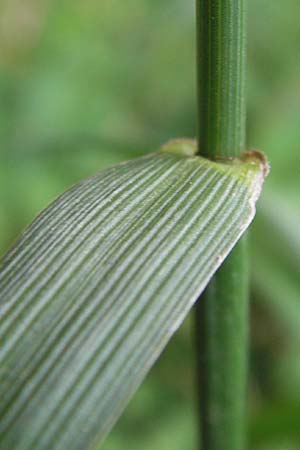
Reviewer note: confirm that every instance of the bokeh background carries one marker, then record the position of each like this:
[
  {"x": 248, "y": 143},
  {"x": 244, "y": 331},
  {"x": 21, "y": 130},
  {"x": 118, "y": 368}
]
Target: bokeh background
[{"x": 85, "y": 84}]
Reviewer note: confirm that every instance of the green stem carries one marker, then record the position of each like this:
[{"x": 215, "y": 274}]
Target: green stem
[
  {"x": 221, "y": 39},
  {"x": 222, "y": 312},
  {"x": 222, "y": 337}
]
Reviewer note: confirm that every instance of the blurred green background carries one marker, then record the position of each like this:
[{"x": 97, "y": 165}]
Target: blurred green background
[{"x": 85, "y": 84}]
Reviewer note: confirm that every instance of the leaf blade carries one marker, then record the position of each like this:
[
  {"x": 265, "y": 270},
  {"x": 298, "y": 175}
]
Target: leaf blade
[{"x": 96, "y": 286}]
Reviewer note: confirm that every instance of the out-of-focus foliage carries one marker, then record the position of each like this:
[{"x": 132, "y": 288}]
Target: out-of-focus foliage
[{"x": 85, "y": 84}]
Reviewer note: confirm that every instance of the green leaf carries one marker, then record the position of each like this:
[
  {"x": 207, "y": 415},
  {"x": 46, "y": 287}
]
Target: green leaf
[{"x": 98, "y": 283}]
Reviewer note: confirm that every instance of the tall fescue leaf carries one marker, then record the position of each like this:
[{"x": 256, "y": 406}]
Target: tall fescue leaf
[{"x": 98, "y": 283}]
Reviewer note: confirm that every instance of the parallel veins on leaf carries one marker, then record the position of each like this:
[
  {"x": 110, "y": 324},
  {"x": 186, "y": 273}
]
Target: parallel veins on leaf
[{"x": 96, "y": 286}]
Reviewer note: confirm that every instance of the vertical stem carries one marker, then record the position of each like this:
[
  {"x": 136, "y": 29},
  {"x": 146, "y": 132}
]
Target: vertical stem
[
  {"x": 221, "y": 39},
  {"x": 222, "y": 312},
  {"x": 222, "y": 336}
]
